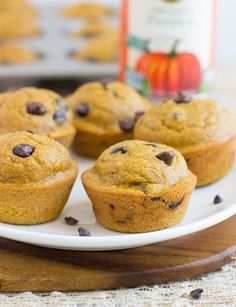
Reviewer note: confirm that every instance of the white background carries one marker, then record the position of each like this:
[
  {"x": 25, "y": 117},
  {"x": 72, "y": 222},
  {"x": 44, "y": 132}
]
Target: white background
[{"x": 226, "y": 33}]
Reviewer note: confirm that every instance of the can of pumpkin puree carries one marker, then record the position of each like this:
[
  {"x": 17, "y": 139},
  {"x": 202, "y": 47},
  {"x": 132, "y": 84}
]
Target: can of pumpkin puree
[{"x": 167, "y": 46}]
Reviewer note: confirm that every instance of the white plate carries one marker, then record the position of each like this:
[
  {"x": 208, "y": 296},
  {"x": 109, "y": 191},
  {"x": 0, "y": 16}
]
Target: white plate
[{"x": 201, "y": 214}]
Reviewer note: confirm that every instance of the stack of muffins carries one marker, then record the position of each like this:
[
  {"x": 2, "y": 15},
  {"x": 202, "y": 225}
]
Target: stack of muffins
[{"x": 149, "y": 158}]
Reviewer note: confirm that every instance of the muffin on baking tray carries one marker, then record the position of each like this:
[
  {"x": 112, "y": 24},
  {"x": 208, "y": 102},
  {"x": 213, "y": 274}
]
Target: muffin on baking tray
[
  {"x": 136, "y": 186},
  {"x": 36, "y": 178},
  {"x": 87, "y": 11},
  {"x": 11, "y": 53},
  {"x": 19, "y": 6},
  {"x": 104, "y": 114},
  {"x": 103, "y": 49},
  {"x": 38, "y": 111},
  {"x": 202, "y": 130},
  {"x": 16, "y": 25},
  {"x": 95, "y": 29}
]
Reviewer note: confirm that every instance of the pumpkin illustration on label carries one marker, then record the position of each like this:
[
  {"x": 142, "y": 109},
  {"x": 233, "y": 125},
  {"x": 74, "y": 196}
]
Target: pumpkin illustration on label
[{"x": 170, "y": 73}]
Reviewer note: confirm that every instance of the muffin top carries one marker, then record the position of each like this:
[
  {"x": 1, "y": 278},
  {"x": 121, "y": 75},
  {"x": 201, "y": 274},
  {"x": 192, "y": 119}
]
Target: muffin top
[
  {"x": 36, "y": 110},
  {"x": 28, "y": 159},
  {"x": 183, "y": 124},
  {"x": 11, "y": 53},
  {"x": 87, "y": 11},
  {"x": 13, "y": 24},
  {"x": 103, "y": 48},
  {"x": 17, "y": 5},
  {"x": 137, "y": 165},
  {"x": 106, "y": 107}
]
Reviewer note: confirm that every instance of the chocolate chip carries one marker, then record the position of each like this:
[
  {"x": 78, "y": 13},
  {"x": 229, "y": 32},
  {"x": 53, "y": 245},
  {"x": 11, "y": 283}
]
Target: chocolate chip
[
  {"x": 196, "y": 294},
  {"x": 119, "y": 149},
  {"x": 84, "y": 232},
  {"x": 82, "y": 110},
  {"x": 155, "y": 198},
  {"x": 182, "y": 98},
  {"x": 36, "y": 108},
  {"x": 112, "y": 207},
  {"x": 151, "y": 145},
  {"x": 176, "y": 204},
  {"x": 127, "y": 124},
  {"x": 23, "y": 150},
  {"x": 167, "y": 157},
  {"x": 71, "y": 220},
  {"x": 138, "y": 115},
  {"x": 125, "y": 220},
  {"x": 60, "y": 117},
  {"x": 29, "y": 131},
  {"x": 218, "y": 199}
]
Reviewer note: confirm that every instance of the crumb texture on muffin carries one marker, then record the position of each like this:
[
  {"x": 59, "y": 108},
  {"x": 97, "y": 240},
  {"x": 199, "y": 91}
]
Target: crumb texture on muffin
[
  {"x": 137, "y": 165},
  {"x": 37, "y": 110},
  {"x": 28, "y": 159},
  {"x": 186, "y": 124},
  {"x": 101, "y": 107}
]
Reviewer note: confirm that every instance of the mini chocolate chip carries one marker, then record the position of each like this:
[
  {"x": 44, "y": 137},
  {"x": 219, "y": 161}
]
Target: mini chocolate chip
[
  {"x": 60, "y": 117},
  {"x": 112, "y": 207},
  {"x": 167, "y": 157},
  {"x": 127, "y": 124},
  {"x": 218, "y": 199},
  {"x": 36, "y": 108},
  {"x": 82, "y": 109},
  {"x": 182, "y": 98},
  {"x": 138, "y": 115},
  {"x": 196, "y": 294},
  {"x": 155, "y": 198},
  {"x": 29, "y": 131},
  {"x": 119, "y": 149},
  {"x": 71, "y": 220},
  {"x": 176, "y": 204},
  {"x": 84, "y": 232},
  {"x": 23, "y": 150},
  {"x": 151, "y": 145},
  {"x": 125, "y": 220}
]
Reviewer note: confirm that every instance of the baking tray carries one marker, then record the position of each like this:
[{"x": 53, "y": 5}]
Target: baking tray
[{"x": 55, "y": 45}]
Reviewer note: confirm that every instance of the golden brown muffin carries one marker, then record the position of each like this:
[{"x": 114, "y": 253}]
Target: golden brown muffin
[
  {"x": 95, "y": 29},
  {"x": 36, "y": 178},
  {"x": 102, "y": 49},
  {"x": 14, "y": 25},
  {"x": 11, "y": 53},
  {"x": 19, "y": 6},
  {"x": 36, "y": 110},
  {"x": 87, "y": 11},
  {"x": 201, "y": 130},
  {"x": 104, "y": 114},
  {"x": 136, "y": 186}
]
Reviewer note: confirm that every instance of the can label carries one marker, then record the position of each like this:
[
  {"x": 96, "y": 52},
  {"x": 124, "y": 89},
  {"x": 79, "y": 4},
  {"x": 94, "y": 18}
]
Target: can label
[{"x": 167, "y": 45}]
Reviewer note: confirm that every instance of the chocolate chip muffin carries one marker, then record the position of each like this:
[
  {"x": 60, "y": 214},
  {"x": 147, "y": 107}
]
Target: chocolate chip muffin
[
  {"x": 36, "y": 178},
  {"x": 15, "y": 25},
  {"x": 11, "y": 53},
  {"x": 87, "y": 11},
  {"x": 104, "y": 114},
  {"x": 103, "y": 49},
  {"x": 136, "y": 186},
  {"x": 95, "y": 29},
  {"x": 201, "y": 130},
  {"x": 38, "y": 111}
]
